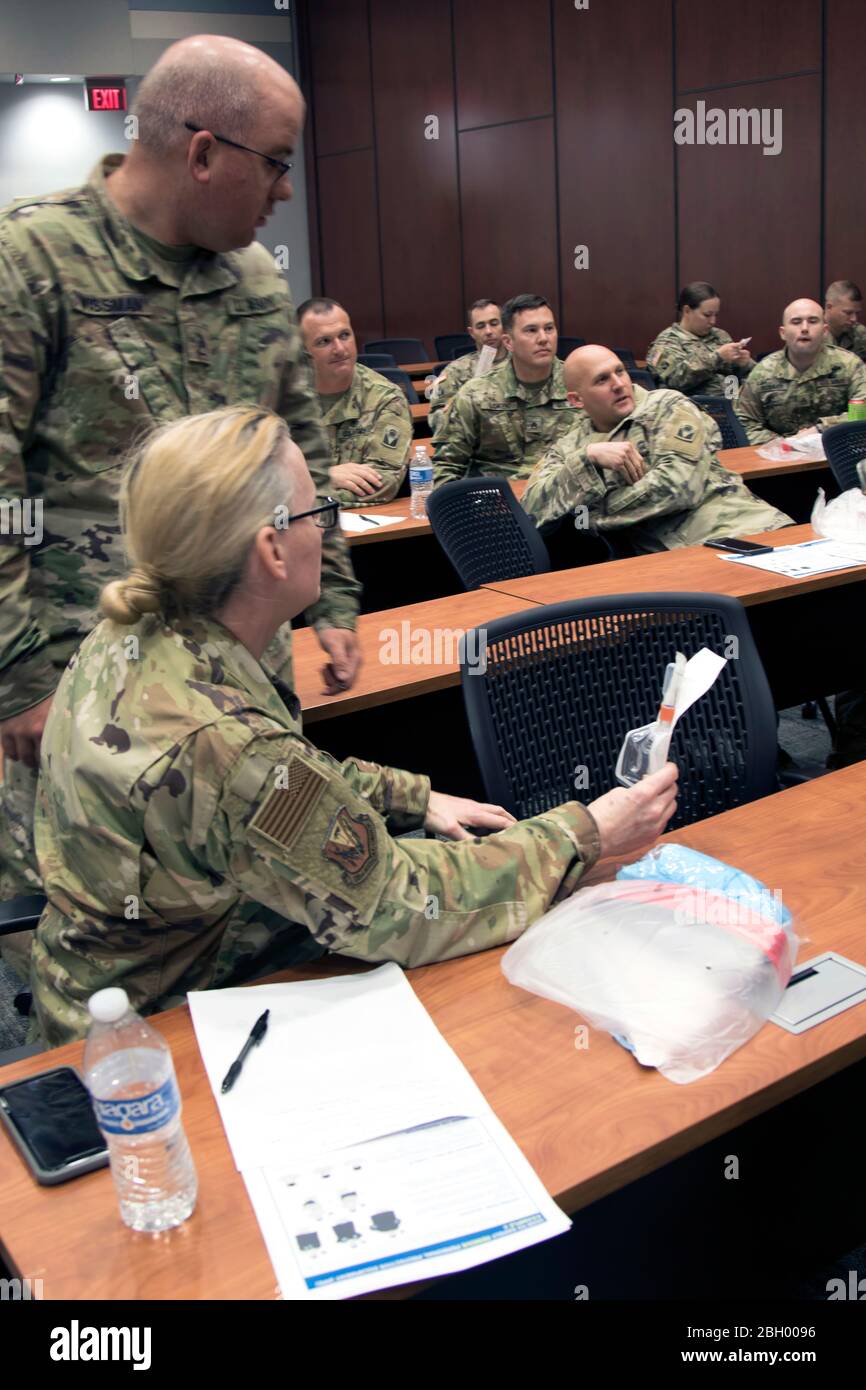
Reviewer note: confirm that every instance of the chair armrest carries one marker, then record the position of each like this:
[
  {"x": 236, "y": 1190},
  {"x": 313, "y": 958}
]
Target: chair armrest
[{"x": 19, "y": 914}]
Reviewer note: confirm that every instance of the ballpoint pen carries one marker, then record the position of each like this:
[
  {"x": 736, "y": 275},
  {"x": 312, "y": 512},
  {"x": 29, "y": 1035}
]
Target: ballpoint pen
[
  {"x": 372, "y": 520},
  {"x": 257, "y": 1032}
]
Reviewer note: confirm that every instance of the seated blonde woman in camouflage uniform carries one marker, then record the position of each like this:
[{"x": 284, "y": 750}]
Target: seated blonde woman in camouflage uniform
[
  {"x": 188, "y": 833},
  {"x": 693, "y": 355}
]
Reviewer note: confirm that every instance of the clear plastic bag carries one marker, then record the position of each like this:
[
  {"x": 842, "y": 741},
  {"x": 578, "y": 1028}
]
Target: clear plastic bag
[
  {"x": 683, "y": 959},
  {"x": 804, "y": 446},
  {"x": 843, "y": 518}
]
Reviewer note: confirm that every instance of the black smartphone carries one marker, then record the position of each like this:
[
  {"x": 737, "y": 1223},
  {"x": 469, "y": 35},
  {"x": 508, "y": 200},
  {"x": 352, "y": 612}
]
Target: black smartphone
[
  {"x": 739, "y": 547},
  {"x": 50, "y": 1120}
]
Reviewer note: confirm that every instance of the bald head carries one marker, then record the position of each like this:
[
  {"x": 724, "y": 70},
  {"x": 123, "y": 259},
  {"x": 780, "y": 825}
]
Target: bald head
[
  {"x": 803, "y": 331},
  {"x": 598, "y": 383},
  {"x": 215, "y": 82}
]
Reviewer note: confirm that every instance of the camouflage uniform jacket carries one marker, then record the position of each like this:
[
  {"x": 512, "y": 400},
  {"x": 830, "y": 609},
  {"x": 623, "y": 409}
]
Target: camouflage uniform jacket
[
  {"x": 685, "y": 496},
  {"x": 779, "y": 400},
  {"x": 498, "y": 426},
  {"x": 184, "y": 821},
  {"x": 448, "y": 383},
  {"x": 691, "y": 364},
  {"x": 369, "y": 423},
  {"x": 852, "y": 339},
  {"x": 98, "y": 340}
]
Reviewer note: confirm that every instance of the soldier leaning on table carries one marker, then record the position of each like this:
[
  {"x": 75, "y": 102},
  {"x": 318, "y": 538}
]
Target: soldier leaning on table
[
  {"x": 365, "y": 415},
  {"x": 136, "y": 298},
  {"x": 641, "y": 461}
]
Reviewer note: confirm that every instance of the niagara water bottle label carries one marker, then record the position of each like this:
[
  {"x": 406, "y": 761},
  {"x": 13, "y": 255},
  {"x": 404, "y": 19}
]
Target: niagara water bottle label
[{"x": 140, "y": 1115}]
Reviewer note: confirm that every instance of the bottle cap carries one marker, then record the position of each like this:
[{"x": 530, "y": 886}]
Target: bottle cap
[{"x": 108, "y": 1005}]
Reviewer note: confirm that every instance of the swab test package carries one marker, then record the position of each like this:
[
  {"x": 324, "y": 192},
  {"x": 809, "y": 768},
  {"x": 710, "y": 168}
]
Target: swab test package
[{"x": 682, "y": 959}]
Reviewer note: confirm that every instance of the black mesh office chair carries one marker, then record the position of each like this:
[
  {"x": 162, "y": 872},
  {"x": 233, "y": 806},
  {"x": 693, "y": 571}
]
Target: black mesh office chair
[
  {"x": 730, "y": 425},
  {"x": 563, "y": 684},
  {"x": 461, "y": 352},
  {"x": 642, "y": 378},
  {"x": 567, "y": 345},
  {"x": 845, "y": 446},
  {"x": 485, "y": 532},
  {"x": 447, "y": 342},
  {"x": 376, "y": 360},
  {"x": 21, "y": 914},
  {"x": 401, "y": 349},
  {"x": 625, "y": 357},
  {"x": 402, "y": 380}
]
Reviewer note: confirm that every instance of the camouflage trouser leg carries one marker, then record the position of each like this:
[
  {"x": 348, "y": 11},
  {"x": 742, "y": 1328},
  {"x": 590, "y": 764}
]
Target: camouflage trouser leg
[
  {"x": 849, "y": 745},
  {"x": 18, "y": 871}
]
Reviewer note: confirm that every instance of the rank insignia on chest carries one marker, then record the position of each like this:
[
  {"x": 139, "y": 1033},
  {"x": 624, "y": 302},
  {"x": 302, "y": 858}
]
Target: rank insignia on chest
[
  {"x": 351, "y": 844},
  {"x": 390, "y": 438}
]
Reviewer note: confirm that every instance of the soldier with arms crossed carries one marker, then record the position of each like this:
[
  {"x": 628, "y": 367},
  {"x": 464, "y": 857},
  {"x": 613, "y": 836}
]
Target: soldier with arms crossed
[
  {"x": 188, "y": 834},
  {"x": 641, "y": 460}
]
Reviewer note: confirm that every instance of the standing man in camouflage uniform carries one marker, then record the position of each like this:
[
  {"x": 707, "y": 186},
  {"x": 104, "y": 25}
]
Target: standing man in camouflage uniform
[
  {"x": 843, "y": 303},
  {"x": 188, "y": 833},
  {"x": 499, "y": 425},
  {"x": 807, "y": 384},
  {"x": 645, "y": 460},
  {"x": 137, "y": 298},
  {"x": 485, "y": 329},
  {"x": 366, "y": 416},
  {"x": 693, "y": 355}
]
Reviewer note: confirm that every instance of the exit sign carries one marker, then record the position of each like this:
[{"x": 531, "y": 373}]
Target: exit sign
[{"x": 105, "y": 94}]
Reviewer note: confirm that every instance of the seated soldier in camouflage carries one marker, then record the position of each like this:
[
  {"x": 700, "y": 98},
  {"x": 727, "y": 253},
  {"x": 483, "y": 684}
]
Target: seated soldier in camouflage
[
  {"x": 806, "y": 385},
  {"x": 499, "y": 425},
  {"x": 366, "y": 416},
  {"x": 693, "y": 355},
  {"x": 188, "y": 834},
  {"x": 485, "y": 329},
  {"x": 843, "y": 304},
  {"x": 645, "y": 460}
]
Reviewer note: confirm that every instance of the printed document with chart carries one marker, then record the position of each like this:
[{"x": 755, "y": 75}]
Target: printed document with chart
[{"x": 370, "y": 1155}]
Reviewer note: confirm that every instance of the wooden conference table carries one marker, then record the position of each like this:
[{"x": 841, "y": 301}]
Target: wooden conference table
[
  {"x": 747, "y": 462},
  {"x": 694, "y": 568},
  {"x": 590, "y": 1121}
]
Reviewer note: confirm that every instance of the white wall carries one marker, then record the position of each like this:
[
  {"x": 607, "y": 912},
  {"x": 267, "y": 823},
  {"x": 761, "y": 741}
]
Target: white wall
[{"x": 47, "y": 139}]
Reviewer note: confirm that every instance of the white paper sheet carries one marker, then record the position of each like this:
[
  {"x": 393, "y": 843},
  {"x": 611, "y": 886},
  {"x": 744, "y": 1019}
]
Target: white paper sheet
[
  {"x": 809, "y": 557},
  {"x": 701, "y": 672},
  {"x": 354, "y": 521},
  {"x": 354, "y": 1068}
]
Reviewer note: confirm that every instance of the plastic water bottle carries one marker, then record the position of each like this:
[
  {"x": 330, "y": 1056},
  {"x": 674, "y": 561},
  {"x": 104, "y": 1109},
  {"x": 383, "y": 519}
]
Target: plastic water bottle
[
  {"x": 130, "y": 1076},
  {"x": 420, "y": 480}
]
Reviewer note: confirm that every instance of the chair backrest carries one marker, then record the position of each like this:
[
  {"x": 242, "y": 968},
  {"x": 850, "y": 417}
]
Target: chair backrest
[
  {"x": 845, "y": 446},
  {"x": 626, "y": 358},
  {"x": 461, "y": 352},
  {"x": 402, "y": 380},
  {"x": 567, "y": 345},
  {"x": 643, "y": 378},
  {"x": 558, "y": 687},
  {"x": 376, "y": 359},
  {"x": 730, "y": 425},
  {"x": 401, "y": 349},
  {"x": 447, "y": 342},
  {"x": 485, "y": 532}
]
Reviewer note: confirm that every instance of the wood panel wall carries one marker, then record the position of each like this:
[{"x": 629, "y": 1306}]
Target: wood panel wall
[{"x": 553, "y": 130}]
